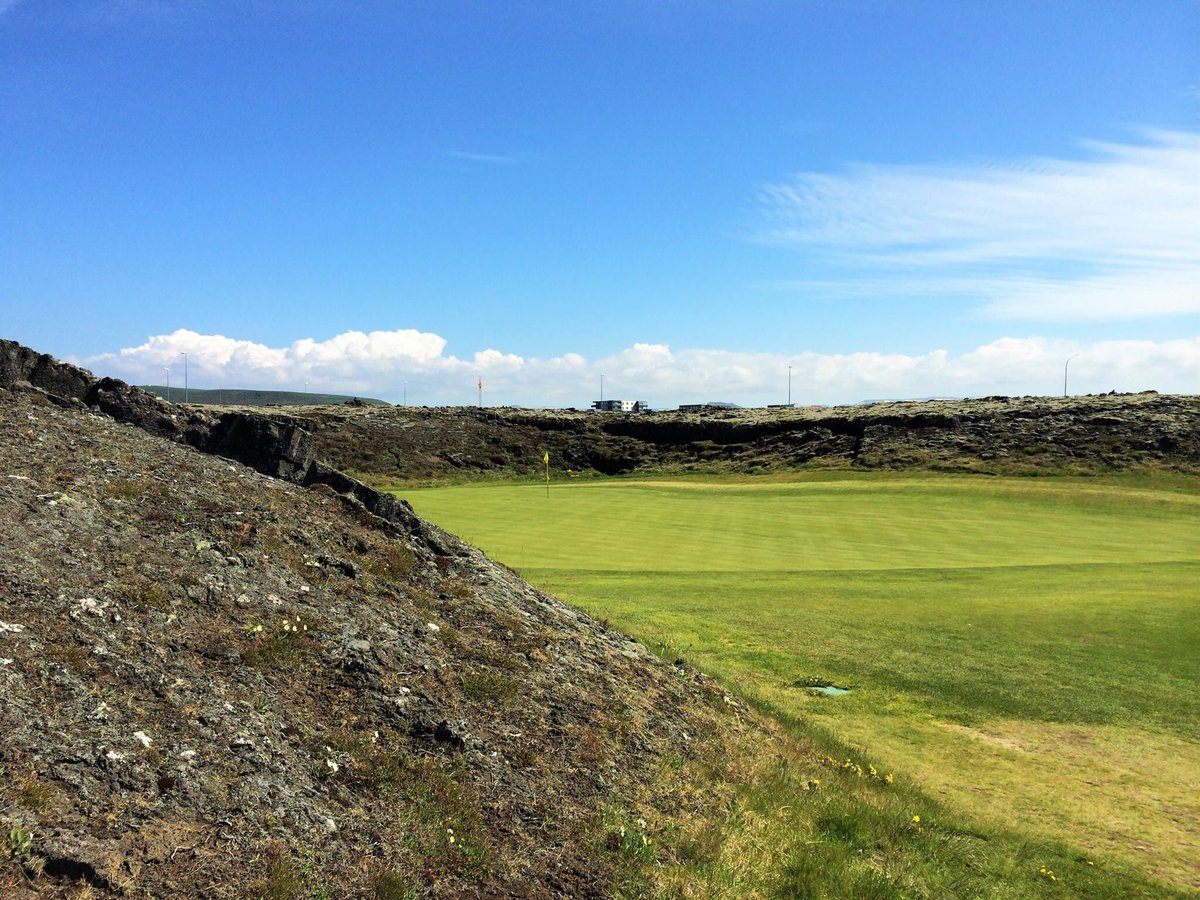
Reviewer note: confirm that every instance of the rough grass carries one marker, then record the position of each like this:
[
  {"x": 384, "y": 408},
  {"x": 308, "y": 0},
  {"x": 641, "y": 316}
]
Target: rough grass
[{"x": 1023, "y": 650}]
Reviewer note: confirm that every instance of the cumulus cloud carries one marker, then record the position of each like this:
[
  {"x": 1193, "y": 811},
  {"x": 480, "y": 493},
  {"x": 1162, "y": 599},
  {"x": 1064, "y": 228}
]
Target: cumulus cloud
[
  {"x": 380, "y": 363},
  {"x": 1113, "y": 236}
]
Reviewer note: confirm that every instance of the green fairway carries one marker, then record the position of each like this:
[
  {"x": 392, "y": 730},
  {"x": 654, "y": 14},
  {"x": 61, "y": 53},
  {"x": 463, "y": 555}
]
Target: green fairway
[
  {"x": 1027, "y": 650},
  {"x": 802, "y": 525}
]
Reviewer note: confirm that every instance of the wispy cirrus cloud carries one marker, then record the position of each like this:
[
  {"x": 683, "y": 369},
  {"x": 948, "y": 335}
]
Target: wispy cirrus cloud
[
  {"x": 380, "y": 362},
  {"x": 1115, "y": 235},
  {"x": 496, "y": 158}
]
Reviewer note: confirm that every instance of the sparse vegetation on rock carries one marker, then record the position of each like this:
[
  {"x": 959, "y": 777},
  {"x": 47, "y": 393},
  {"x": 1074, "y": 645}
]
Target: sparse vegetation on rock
[
  {"x": 996, "y": 435},
  {"x": 220, "y": 683}
]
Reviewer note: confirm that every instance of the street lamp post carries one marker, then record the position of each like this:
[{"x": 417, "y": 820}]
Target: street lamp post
[
  {"x": 168, "y": 371},
  {"x": 1066, "y": 365},
  {"x": 185, "y": 378},
  {"x": 602, "y": 389},
  {"x": 404, "y": 402},
  {"x": 789, "y": 385}
]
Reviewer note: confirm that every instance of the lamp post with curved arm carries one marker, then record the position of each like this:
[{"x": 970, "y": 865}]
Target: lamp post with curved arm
[{"x": 1067, "y": 365}]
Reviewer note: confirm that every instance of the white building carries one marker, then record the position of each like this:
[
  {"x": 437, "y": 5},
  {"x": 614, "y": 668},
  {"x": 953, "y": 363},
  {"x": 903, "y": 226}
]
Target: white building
[{"x": 620, "y": 405}]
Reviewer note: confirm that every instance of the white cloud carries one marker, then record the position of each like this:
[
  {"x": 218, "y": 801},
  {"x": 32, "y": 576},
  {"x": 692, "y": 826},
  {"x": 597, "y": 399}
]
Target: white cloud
[
  {"x": 494, "y": 361},
  {"x": 377, "y": 364},
  {"x": 1113, "y": 236},
  {"x": 1119, "y": 295},
  {"x": 499, "y": 158}
]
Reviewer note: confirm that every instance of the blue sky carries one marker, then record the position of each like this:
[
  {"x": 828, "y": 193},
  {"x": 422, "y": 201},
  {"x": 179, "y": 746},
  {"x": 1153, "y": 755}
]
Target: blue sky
[{"x": 896, "y": 199}]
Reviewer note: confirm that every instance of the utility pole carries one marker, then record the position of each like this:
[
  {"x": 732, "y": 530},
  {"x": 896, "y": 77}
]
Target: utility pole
[
  {"x": 1066, "y": 365},
  {"x": 789, "y": 385},
  {"x": 185, "y": 378},
  {"x": 481, "y": 393},
  {"x": 601, "y": 388},
  {"x": 404, "y": 402},
  {"x": 168, "y": 371}
]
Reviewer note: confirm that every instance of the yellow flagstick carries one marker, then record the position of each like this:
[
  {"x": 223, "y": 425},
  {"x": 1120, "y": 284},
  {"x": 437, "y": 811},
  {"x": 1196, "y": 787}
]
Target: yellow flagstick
[{"x": 546, "y": 460}]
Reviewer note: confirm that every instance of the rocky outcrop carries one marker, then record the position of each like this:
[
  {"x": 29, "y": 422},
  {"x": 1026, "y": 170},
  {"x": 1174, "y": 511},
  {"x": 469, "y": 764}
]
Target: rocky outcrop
[
  {"x": 1002, "y": 435},
  {"x": 262, "y": 678},
  {"x": 20, "y": 366},
  {"x": 278, "y": 446}
]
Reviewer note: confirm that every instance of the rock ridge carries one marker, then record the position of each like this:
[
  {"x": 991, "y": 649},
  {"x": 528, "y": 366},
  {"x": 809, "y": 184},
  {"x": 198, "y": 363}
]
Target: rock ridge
[
  {"x": 279, "y": 446},
  {"x": 992, "y": 435},
  {"x": 230, "y": 670}
]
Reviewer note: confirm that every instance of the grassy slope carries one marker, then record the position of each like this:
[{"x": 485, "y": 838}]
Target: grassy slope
[{"x": 1023, "y": 650}]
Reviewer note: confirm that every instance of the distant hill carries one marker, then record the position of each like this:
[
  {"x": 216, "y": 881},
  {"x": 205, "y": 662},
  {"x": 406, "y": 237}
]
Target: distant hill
[{"x": 238, "y": 397}]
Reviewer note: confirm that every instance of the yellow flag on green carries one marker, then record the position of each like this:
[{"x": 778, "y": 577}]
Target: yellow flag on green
[{"x": 546, "y": 457}]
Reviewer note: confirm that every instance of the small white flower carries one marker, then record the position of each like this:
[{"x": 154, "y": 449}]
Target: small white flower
[{"x": 333, "y": 767}]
